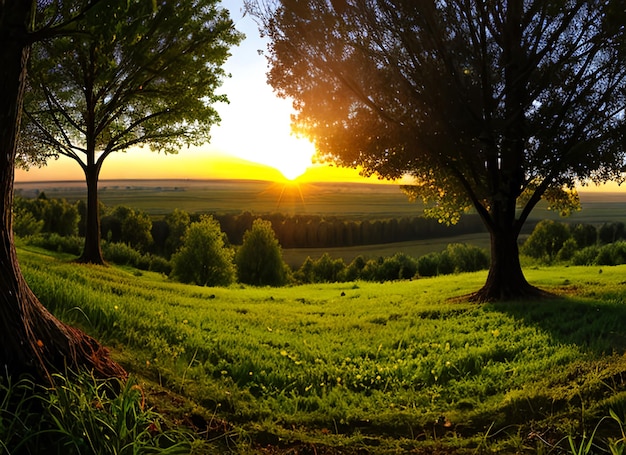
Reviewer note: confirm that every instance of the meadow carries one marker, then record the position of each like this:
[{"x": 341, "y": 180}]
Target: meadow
[{"x": 397, "y": 367}]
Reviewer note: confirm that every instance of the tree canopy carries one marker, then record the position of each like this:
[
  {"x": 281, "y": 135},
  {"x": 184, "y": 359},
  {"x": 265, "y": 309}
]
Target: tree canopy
[
  {"x": 134, "y": 74},
  {"x": 488, "y": 106}
]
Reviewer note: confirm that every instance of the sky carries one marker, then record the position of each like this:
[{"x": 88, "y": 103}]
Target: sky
[{"x": 255, "y": 126}]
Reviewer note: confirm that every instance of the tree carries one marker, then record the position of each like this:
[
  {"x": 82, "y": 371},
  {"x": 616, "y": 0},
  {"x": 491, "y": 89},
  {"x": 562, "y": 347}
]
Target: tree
[
  {"x": 259, "y": 260},
  {"x": 487, "y": 105},
  {"x": 149, "y": 79},
  {"x": 204, "y": 258},
  {"x": 33, "y": 340}
]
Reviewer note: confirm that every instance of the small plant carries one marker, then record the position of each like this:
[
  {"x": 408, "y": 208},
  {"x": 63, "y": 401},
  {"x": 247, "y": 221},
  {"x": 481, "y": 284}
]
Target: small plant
[{"x": 83, "y": 415}]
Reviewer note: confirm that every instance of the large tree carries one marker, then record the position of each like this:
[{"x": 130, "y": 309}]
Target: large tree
[
  {"x": 141, "y": 73},
  {"x": 33, "y": 341},
  {"x": 488, "y": 105}
]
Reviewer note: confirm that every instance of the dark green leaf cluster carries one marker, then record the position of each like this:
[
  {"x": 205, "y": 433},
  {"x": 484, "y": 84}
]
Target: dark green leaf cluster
[
  {"x": 204, "y": 258},
  {"x": 259, "y": 260}
]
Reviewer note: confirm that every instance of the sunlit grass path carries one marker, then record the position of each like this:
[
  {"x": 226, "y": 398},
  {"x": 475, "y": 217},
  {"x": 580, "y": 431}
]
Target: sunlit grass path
[{"x": 402, "y": 362}]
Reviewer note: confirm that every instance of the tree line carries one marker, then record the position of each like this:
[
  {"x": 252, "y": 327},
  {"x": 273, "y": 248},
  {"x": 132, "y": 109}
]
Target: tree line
[
  {"x": 137, "y": 229},
  {"x": 217, "y": 250}
]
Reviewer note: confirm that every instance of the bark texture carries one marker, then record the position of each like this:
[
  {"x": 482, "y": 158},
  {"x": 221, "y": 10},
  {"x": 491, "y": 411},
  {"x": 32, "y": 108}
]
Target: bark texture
[{"x": 33, "y": 340}]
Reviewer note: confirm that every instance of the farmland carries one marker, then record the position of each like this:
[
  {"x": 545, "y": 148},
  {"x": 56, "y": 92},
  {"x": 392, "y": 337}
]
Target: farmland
[
  {"x": 354, "y": 202},
  {"x": 361, "y": 367}
]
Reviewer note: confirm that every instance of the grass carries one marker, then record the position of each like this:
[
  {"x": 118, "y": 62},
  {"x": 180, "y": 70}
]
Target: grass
[{"x": 380, "y": 368}]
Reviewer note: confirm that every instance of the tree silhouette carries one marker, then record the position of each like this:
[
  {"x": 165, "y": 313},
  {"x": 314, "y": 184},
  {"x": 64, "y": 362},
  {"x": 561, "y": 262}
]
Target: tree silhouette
[
  {"x": 136, "y": 75},
  {"x": 489, "y": 106}
]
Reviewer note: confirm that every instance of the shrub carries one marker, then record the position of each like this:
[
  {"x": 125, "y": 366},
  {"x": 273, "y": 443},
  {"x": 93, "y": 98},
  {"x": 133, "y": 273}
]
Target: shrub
[
  {"x": 611, "y": 254},
  {"x": 397, "y": 267},
  {"x": 586, "y": 256},
  {"x": 55, "y": 242},
  {"x": 259, "y": 260},
  {"x": 567, "y": 252},
  {"x": 546, "y": 240},
  {"x": 354, "y": 271},
  {"x": 25, "y": 224},
  {"x": 120, "y": 253},
  {"x": 204, "y": 258},
  {"x": 327, "y": 269},
  {"x": 445, "y": 263},
  {"x": 427, "y": 265},
  {"x": 585, "y": 235},
  {"x": 305, "y": 272},
  {"x": 467, "y": 258}
]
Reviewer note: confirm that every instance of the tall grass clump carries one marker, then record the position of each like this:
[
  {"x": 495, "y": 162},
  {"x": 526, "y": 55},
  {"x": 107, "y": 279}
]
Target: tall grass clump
[{"x": 83, "y": 416}]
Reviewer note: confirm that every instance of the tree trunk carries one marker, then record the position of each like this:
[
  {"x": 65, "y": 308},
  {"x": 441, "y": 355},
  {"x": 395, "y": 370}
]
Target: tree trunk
[
  {"x": 33, "y": 341},
  {"x": 506, "y": 280},
  {"x": 92, "y": 252}
]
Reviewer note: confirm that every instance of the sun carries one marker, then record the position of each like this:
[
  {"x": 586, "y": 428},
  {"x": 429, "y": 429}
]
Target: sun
[{"x": 291, "y": 156}]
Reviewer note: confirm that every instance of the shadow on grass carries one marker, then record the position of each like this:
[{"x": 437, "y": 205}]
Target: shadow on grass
[{"x": 594, "y": 324}]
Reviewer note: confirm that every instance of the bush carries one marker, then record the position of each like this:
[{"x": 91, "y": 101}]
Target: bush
[
  {"x": 397, "y": 267},
  {"x": 567, "y": 252},
  {"x": 586, "y": 256},
  {"x": 467, "y": 258},
  {"x": 612, "y": 254},
  {"x": 327, "y": 269},
  {"x": 25, "y": 224},
  {"x": 427, "y": 265},
  {"x": 55, "y": 242},
  {"x": 259, "y": 260},
  {"x": 585, "y": 235},
  {"x": 204, "y": 258},
  {"x": 120, "y": 253},
  {"x": 546, "y": 240},
  {"x": 354, "y": 271}
]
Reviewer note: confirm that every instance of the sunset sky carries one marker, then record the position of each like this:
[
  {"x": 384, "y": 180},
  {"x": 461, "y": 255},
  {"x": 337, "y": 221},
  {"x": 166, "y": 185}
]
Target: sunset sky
[
  {"x": 254, "y": 135},
  {"x": 255, "y": 127}
]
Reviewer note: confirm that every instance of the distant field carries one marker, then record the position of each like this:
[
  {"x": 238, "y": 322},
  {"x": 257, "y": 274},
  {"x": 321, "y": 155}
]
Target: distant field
[
  {"x": 344, "y": 200},
  {"x": 348, "y": 201}
]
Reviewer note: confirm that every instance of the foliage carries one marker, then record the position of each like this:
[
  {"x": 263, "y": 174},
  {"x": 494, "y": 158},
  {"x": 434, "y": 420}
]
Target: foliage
[
  {"x": 611, "y": 232},
  {"x": 177, "y": 223},
  {"x": 396, "y": 359},
  {"x": 325, "y": 269},
  {"x": 546, "y": 240},
  {"x": 484, "y": 104},
  {"x": 56, "y": 216},
  {"x": 148, "y": 79},
  {"x": 204, "y": 258},
  {"x": 259, "y": 260},
  {"x": 83, "y": 415},
  {"x": 124, "y": 224},
  {"x": 584, "y": 234}
]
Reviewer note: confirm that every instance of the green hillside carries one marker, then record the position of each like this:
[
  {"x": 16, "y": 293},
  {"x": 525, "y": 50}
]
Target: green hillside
[{"x": 361, "y": 367}]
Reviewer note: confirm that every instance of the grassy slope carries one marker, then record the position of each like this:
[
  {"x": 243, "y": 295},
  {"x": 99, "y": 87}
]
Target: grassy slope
[{"x": 385, "y": 367}]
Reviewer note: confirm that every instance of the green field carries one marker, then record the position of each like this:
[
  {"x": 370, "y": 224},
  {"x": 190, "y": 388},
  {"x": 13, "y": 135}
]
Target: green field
[
  {"x": 360, "y": 367},
  {"x": 344, "y": 200}
]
